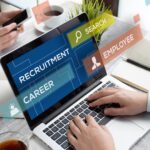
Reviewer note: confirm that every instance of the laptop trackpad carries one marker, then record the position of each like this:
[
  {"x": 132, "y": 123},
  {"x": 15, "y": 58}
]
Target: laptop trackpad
[
  {"x": 142, "y": 120},
  {"x": 124, "y": 132}
]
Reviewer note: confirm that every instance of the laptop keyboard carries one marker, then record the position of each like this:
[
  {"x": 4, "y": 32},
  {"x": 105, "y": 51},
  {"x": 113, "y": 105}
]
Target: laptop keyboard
[{"x": 57, "y": 130}]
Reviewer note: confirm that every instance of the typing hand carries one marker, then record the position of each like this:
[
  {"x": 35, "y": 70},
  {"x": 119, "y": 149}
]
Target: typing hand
[
  {"x": 131, "y": 103},
  {"x": 89, "y": 136}
]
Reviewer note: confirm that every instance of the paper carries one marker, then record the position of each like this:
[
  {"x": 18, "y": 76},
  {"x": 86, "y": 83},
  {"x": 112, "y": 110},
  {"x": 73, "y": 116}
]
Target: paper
[{"x": 132, "y": 75}]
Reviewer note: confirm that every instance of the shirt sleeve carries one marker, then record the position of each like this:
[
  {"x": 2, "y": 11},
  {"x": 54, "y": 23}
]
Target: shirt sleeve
[{"x": 148, "y": 103}]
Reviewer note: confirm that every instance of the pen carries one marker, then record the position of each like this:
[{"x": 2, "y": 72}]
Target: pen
[{"x": 137, "y": 64}]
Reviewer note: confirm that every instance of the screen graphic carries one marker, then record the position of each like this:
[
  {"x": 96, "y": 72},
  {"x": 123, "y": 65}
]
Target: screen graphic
[{"x": 46, "y": 74}]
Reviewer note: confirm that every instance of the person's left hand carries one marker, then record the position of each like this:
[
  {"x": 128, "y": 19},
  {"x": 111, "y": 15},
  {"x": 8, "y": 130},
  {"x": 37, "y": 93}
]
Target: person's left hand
[
  {"x": 5, "y": 16},
  {"x": 90, "y": 136}
]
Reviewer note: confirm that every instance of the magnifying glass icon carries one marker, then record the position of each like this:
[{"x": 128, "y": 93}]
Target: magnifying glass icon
[{"x": 78, "y": 36}]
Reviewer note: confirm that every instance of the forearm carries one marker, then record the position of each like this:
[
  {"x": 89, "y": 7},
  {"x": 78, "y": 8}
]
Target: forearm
[{"x": 2, "y": 18}]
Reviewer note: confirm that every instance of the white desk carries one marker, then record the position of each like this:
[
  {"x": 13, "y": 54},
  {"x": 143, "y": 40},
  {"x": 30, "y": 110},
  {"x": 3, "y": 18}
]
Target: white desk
[{"x": 129, "y": 8}]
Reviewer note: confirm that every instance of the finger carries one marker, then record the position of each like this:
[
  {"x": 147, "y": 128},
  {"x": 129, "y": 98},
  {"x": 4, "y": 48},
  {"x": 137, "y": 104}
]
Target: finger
[
  {"x": 104, "y": 100},
  {"x": 8, "y": 44},
  {"x": 11, "y": 14},
  {"x": 90, "y": 120},
  {"x": 102, "y": 93},
  {"x": 72, "y": 139},
  {"x": 7, "y": 29},
  {"x": 20, "y": 29},
  {"x": 8, "y": 37},
  {"x": 74, "y": 129},
  {"x": 114, "y": 111},
  {"x": 79, "y": 123}
]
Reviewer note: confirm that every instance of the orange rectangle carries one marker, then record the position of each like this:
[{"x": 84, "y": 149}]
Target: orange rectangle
[
  {"x": 40, "y": 10},
  {"x": 93, "y": 63},
  {"x": 122, "y": 43}
]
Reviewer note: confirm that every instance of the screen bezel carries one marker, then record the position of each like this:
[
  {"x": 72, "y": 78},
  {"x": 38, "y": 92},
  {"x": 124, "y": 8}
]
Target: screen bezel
[{"x": 33, "y": 44}]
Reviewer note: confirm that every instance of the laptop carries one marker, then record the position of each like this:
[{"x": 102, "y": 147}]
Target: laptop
[{"x": 52, "y": 81}]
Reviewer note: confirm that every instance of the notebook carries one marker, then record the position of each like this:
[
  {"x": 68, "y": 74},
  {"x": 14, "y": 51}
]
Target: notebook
[
  {"x": 132, "y": 75},
  {"x": 140, "y": 53}
]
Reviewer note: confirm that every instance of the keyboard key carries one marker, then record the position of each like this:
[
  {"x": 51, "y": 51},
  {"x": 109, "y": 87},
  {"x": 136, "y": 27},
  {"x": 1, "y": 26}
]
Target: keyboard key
[
  {"x": 79, "y": 110},
  {"x": 111, "y": 85},
  {"x": 98, "y": 109},
  {"x": 72, "y": 110},
  {"x": 50, "y": 126},
  {"x": 84, "y": 106},
  {"x": 75, "y": 113},
  {"x": 108, "y": 82},
  {"x": 87, "y": 111},
  {"x": 65, "y": 121},
  {"x": 66, "y": 127},
  {"x": 45, "y": 130},
  {"x": 96, "y": 119},
  {"x": 104, "y": 85},
  {"x": 100, "y": 116},
  {"x": 66, "y": 114},
  {"x": 105, "y": 120},
  {"x": 56, "y": 122},
  {"x": 60, "y": 125},
  {"x": 70, "y": 117},
  {"x": 70, "y": 148},
  {"x": 65, "y": 145},
  {"x": 49, "y": 133},
  {"x": 61, "y": 139},
  {"x": 62, "y": 117},
  {"x": 77, "y": 106},
  {"x": 82, "y": 115},
  {"x": 103, "y": 106},
  {"x": 54, "y": 129},
  {"x": 100, "y": 89},
  {"x": 93, "y": 113},
  {"x": 56, "y": 136},
  {"x": 81, "y": 103},
  {"x": 62, "y": 131}
]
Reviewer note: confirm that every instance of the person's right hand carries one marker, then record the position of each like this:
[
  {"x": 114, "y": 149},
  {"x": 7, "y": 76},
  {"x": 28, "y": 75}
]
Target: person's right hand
[
  {"x": 131, "y": 102},
  {"x": 7, "y": 36}
]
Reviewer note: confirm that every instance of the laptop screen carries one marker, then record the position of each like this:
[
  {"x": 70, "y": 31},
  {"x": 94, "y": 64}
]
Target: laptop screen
[{"x": 47, "y": 70}]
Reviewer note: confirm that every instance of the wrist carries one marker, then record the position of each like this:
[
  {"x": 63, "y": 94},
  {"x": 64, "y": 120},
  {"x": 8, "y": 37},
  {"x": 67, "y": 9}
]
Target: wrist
[
  {"x": 144, "y": 102},
  {"x": 148, "y": 102}
]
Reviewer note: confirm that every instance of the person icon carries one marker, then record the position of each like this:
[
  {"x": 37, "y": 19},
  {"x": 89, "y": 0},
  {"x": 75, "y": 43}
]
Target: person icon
[
  {"x": 13, "y": 110},
  {"x": 95, "y": 63}
]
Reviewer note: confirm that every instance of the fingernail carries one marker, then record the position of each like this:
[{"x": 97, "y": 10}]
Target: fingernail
[
  {"x": 91, "y": 105},
  {"x": 14, "y": 24},
  {"x": 105, "y": 111}
]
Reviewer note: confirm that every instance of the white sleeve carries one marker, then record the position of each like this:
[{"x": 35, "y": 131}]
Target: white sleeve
[{"x": 148, "y": 103}]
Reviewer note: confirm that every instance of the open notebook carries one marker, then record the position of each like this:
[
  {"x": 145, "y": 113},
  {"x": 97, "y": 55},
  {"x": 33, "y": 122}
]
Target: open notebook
[{"x": 132, "y": 75}]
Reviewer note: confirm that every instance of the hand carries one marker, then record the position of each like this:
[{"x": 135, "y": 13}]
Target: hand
[
  {"x": 131, "y": 102},
  {"x": 5, "y": 16},
  {"x": 89, "y": 136},
  {"x": 7, "y": 36}
]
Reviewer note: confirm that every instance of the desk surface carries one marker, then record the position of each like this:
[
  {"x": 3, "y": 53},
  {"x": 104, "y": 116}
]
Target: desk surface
[{"x": 21, "y": 125}]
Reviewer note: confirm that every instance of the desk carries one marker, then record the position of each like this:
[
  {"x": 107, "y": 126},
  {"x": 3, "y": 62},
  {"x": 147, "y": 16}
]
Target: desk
[{"x": 20, "y": 124}]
